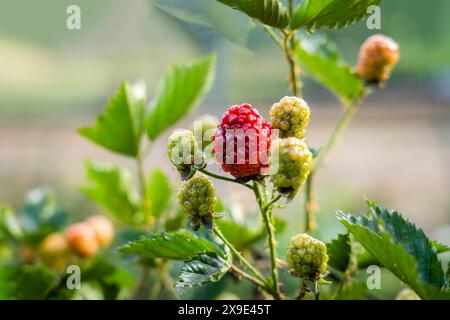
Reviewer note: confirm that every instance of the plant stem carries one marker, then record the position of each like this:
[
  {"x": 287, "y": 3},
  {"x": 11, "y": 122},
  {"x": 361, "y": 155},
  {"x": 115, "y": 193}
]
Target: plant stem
[
  {"x": 343, "y": 122},
  {"x": 141, "y": 175},
  {"x": 252, "y": 279},
  {"x": 244, "y": 261},
  {"x": 273, "y": 36},
  {"x": 309, "y": 203},
  {"x": 216, "y": 176},
  {"x": 288, "y": 52},
  {"x": 265, "y": 211}
]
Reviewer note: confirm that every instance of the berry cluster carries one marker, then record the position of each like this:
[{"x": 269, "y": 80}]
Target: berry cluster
[
  {"x": 307, "y": 257},
  {"x": 378, "y": 56},
  {"x": 293, "y": 159},
  {"x": 290, "y": 116},
  {"x": 83, "y": 239},
  {"x": 241, "y": 142},
  {"x": 197, "y": 197}
]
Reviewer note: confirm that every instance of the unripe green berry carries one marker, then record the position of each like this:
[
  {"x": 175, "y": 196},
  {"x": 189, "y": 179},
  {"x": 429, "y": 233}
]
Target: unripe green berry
[
  {"x": 290, "y": 116},
  {"x": 307, "y": 257},
  {"x": 292, "y": 159},
  {"x": 197, "y": 196},
  {"x": 184, "y": 152}
]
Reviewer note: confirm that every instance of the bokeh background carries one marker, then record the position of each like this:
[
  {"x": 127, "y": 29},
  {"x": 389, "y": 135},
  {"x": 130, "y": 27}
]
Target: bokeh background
[{"x": 54, "y": 80}]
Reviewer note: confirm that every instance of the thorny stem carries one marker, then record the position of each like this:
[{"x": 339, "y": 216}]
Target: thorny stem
[
  {"x": 244, "y": 261},
  {"x": 265, "y": 211},
  {"x": 219, "y": 177}
]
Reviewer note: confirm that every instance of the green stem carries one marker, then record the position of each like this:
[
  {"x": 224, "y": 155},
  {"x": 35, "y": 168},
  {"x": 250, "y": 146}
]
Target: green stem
[
  {"x": 244, "y": 261},
  {"x": 219, "y": 177},
  {"x": 141, "y": 175},
  {"x": 342, "y": 124},
  {"x": 288, "y": 52},
  {"x": 265, "y": 211},
  {"x": 309, "y": 203},
  {"x": 273, "y": 36},
  {"x": 252, "y": 279}
]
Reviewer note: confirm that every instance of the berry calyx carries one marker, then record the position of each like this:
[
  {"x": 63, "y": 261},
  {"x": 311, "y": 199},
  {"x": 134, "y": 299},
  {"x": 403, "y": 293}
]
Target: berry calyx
[
  {"x": 197, "y": 196},
  {"x": 82, "y": 239},
  {"x": 104, "y": 229},
  {"x": 54, "y": 251},
  {"x": 291, "y": 162},
  {"x": 184, "y": 152},
  {"x": 377, "y": 57},
  {"x": 242, "y": 141},
  {"x": 307, "y": 257},
  {"x": 290, "y": 116}
]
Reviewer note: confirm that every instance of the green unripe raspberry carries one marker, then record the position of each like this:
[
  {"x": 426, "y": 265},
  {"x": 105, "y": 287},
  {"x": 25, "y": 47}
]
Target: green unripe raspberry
[
  {"x": 184, "y": 152},
  {"x": 292, "y": 159},
  {"x": 197, "y": 196},
  {"x": 307, "y": 257},
  {"x": 290, "y": 116}
]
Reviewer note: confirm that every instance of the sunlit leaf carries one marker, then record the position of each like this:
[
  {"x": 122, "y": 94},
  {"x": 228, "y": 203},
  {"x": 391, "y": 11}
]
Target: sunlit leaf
[
  {"x": 121, "y": 125},
  {"x": 180, "y": 92},
  {"x": 159, "y": 192},
  {"x": 330, "y": 13}
]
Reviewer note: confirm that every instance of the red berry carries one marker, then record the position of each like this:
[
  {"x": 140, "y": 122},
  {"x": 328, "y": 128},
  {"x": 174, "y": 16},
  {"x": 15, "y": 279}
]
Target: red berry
[{"x": 241, "y": 142}]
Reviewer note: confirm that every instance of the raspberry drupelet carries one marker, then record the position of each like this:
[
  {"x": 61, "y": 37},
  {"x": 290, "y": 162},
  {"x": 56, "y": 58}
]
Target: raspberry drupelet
[{"x": 241, "y": 142}]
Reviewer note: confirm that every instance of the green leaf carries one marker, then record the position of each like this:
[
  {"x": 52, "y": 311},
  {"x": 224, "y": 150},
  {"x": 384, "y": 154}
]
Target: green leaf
[
  {"x": 400, "y": 247},
  {"x": 339, "y": 252},
  {"x": 228, "y": 23},
  {"x": 270, "y": 12},
  {"x": 439, "y": 247},
  {"x": 110, "y": 187},
  {"x": 330, "y": 13},
  {"x": 356, "y": 290},
  {"x": 239, "y": 235},
  {"x": 9, "y": 225},
  {"x": 34, "y": 282},
  {"x": 120, "y": 127},
  {"x": 202, "y": 269},
  {"x": 40, "y": 215},
  {"x": 181, "y": 91},
  {"x": 178, "y": 245},
  {"x": 320, "y": 60},
  {"x": 8, "y": 274},
  {"x": 159, "y": 192}
]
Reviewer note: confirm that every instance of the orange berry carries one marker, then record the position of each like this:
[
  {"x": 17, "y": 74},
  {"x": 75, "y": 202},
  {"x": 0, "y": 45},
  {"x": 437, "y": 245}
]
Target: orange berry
[
  {"x": 54, "y": 251},
  {"x": 82, "y": 239},
  {"x": 104, "y": 229}
]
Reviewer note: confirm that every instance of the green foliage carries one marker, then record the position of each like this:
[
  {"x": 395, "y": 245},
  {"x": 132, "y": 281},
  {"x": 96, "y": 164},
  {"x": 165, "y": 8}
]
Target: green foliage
[
  {"x": 178, "y": 245},
  {"x": 233, "y": 25},
  {"x": 355, "y": 290},
  {"x": 330, "y": 13},
  {"x": 180, "y": 92},
  {"x": 110, "y": 187},
  {"x": 339, "y": 252},
  {"x": 320, "y": 60},
  {"x": 38, "y": 217},
  {"x": 120, "y": 127},
  {"x": 239, "y": 235},
  {"x": 34, "y": 282},
  {"x": 202, "y": 269},
  {"x": 270, "y": 12},
  {"x": 159, "y": 192},
  {"x": 400, "y": 247},
  {"x": 440, "y": 248}
]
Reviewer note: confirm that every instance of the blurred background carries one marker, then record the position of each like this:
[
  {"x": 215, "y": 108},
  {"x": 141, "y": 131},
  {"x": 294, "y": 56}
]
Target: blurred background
[{"x": 54, "y": 80}]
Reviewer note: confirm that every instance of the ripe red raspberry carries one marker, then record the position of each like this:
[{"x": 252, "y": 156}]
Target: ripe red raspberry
[{"x": 241, "y": 142}]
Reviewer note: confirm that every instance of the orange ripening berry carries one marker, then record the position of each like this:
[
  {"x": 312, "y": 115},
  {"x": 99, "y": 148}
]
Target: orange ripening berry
[
  {"x": 104, "y": 229},
  {"x": 54, "y": 251},
  {"x": 377, "y": 57},
  {"x": 82, "y": 239}
]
